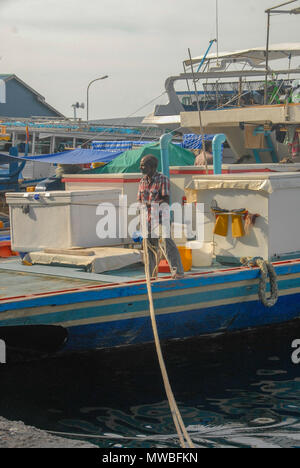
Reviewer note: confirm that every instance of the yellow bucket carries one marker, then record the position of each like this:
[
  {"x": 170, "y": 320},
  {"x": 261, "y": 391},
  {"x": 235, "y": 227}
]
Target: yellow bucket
[{"x": 186, "y": 257}]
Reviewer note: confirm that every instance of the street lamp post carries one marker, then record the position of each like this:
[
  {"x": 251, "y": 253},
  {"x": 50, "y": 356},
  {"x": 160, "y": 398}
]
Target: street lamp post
[{"x": 87, "y": 94}]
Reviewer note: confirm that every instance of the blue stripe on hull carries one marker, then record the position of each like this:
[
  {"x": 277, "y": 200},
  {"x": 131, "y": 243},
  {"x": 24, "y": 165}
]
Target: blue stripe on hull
[
  {"x": 183, "y": 325},
  {"x": 140, "y": 289},
  {"x": 86, "y": 311},
  {"x": 193, "y": 320}
]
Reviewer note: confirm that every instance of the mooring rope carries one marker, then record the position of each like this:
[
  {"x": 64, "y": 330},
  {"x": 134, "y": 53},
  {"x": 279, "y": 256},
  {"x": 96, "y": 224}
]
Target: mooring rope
[
  {"x": 159, "y": 253},
  {"x": 266, "y": 269},
  {"x": 178, "y": 422}
]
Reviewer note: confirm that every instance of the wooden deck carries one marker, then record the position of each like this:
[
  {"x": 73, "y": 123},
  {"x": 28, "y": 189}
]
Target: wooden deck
[{"x": 17, "y": 280}]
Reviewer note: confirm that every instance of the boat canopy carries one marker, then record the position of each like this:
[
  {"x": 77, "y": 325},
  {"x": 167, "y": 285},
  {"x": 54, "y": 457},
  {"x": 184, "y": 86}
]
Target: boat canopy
[
  {"x": 77, "y": 156},
  {"x": 256, "y": 55},
  {"x": 263, "y": 182}
]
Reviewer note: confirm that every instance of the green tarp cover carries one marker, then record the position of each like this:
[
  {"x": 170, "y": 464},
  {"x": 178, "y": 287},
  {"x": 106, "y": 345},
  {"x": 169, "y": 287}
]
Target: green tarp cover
[{"x": 130, "y": 160}]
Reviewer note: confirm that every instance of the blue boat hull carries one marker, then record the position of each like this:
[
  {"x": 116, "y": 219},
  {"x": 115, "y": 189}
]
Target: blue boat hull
[
  {"x": 118, "y": 315},
  {"x": 179, "y": 326}
]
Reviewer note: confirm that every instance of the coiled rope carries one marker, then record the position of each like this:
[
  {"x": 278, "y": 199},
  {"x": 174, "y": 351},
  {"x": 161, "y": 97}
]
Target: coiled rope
[
  {"x": 178, "y": 422},
  {"x": 266, "y": 270}
]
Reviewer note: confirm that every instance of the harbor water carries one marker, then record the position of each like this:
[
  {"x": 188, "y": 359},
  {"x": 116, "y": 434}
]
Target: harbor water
[{"x": 238, "y": 390}]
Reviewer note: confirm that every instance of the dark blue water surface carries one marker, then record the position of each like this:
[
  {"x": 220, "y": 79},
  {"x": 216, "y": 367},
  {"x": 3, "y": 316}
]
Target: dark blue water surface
[{"x": 239, "y": 390}]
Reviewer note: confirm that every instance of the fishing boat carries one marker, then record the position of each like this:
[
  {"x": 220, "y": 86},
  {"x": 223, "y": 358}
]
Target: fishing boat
[
  {"x": 235, "y": 280},
  {"x": 110, "y": 311},
  {"x": 233, "y": 93},
  {"x": 242, "y": 270}
]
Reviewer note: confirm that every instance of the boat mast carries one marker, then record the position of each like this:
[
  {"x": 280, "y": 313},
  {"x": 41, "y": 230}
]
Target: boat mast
[
  {"x": 217, "y": 30},
  {"x": 199, "y": 112},
  {"x": 269, "y": 11}
]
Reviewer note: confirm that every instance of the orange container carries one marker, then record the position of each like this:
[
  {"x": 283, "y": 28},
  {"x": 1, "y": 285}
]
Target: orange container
[
  {"x": 186, "y": 257},
  {"x": 5, "y": 250},
  {"x": 163, "y": 267},
  {"x": 186, "y": 260}
]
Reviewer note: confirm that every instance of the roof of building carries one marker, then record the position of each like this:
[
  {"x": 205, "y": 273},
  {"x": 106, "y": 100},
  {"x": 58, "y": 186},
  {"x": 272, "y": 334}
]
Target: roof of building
[{"x": 7, "y": 77}]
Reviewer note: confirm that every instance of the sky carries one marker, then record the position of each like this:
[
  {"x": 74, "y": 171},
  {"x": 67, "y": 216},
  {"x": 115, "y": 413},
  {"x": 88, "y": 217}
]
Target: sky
[{"x": 59, "y": 46}]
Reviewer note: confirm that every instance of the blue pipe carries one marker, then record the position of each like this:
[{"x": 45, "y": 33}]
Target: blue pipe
[
  {"x": 205, "y": 55},
  {"x": 165, "y": 140},
  {"x": 164, "y": 150},
  {"x": 218, "y": 152}
]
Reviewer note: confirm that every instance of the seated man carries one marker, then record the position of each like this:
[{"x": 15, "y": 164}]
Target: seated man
[
  {"x": 200, "y": 159},
  {"x": 154, "y": 188}
]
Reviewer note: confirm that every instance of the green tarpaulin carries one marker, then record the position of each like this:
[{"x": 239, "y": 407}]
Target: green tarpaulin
[{"x": 130, "y": 160}]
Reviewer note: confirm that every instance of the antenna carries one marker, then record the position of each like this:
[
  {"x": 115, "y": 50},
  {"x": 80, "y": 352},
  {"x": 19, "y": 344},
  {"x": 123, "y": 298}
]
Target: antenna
[
  {"x": 77, "y": 106},
  {"x": 217, "y": 29}
]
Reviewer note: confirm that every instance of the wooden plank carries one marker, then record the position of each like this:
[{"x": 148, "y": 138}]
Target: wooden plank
[{"x": 76, "y": 252}]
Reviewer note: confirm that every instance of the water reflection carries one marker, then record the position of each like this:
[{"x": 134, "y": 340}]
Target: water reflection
[
  {"x": 210, "y": 430},
  {"x": 234, "y": 391}
]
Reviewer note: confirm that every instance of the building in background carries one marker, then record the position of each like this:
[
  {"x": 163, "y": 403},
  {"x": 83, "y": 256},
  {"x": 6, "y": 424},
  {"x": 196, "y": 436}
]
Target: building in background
[
  {"x": 25, "y": 117},
  {"x": 18, "y": 100}
]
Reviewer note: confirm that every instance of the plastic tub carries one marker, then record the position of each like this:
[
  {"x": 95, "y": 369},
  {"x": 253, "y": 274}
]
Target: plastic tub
[{"x": 202, "y": 253}]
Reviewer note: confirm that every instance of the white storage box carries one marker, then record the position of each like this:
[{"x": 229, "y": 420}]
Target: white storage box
[
  {"x": 61, "y": 219},
  {"x": 202, "y": 253},
  {"x": 275, "y": 197}
]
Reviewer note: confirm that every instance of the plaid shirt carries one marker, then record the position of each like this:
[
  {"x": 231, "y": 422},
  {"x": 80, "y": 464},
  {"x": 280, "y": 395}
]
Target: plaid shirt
[{"x": 153, "y": 190}]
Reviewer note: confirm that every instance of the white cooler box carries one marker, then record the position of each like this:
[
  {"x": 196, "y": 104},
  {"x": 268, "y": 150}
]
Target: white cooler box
[
  {"x": 275, "y": 197},
  {"x": 61, "y": 219}
]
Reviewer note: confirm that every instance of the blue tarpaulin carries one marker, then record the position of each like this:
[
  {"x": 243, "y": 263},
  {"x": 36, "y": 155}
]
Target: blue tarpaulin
[
  {"x": 194, "y": 141},
  {"x": 117, "y": 145},
  {"x": 77, "y": 156},
  {"x": 5, "y": 159}
]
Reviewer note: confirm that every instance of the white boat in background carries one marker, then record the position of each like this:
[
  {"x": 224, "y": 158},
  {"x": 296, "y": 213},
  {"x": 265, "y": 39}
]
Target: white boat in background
[{"x": 230, "y": 90}]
